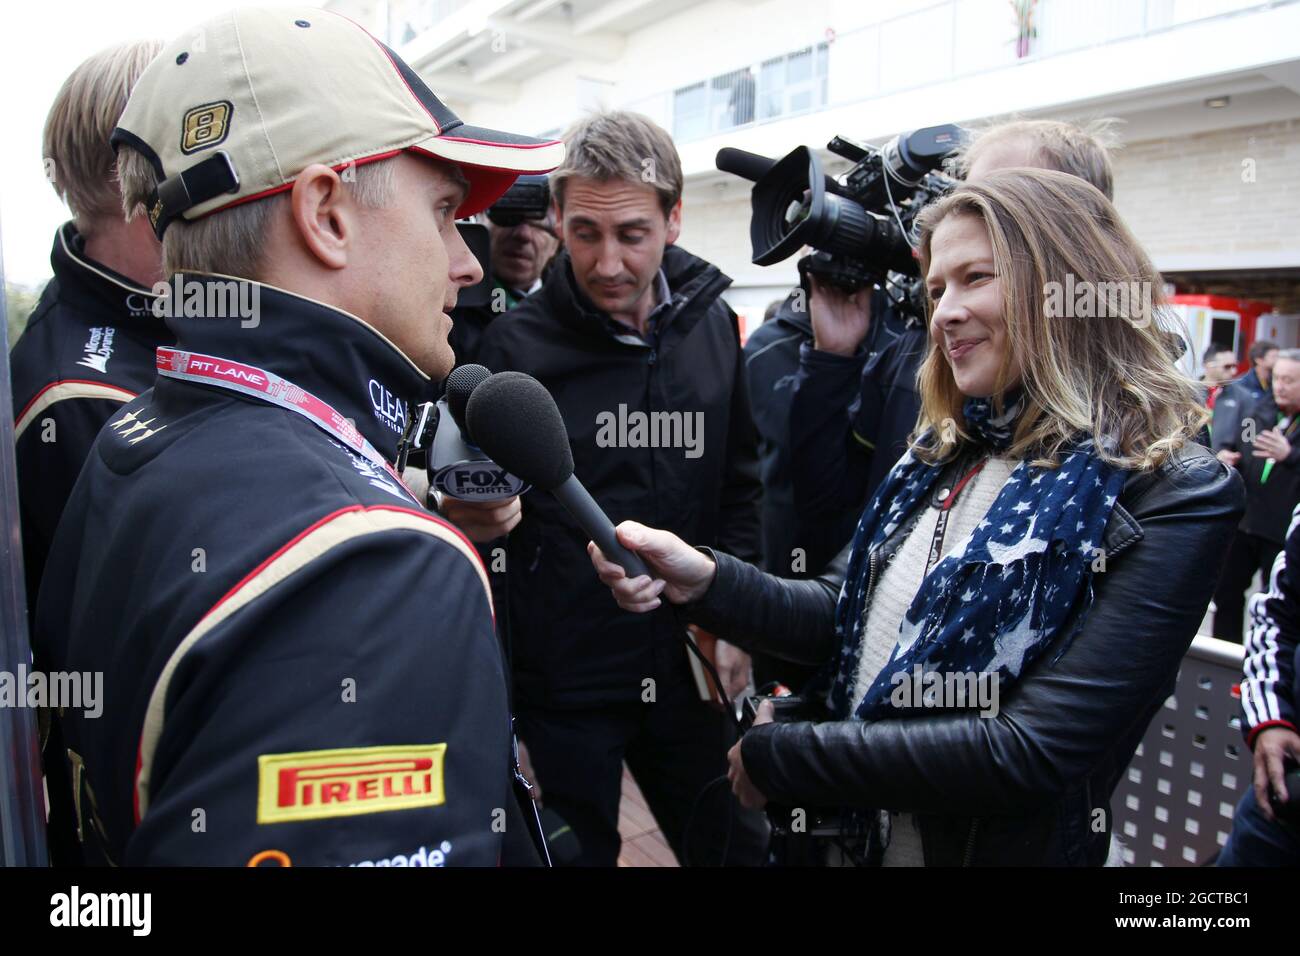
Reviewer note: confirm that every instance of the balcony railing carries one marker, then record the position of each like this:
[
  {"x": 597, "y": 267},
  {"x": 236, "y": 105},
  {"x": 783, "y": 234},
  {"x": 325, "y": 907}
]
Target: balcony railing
[{"x": 919, "y": 49}]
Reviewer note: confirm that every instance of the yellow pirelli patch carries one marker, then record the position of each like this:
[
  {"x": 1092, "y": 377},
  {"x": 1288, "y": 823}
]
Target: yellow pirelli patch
[{"x": 342, "y": 783}]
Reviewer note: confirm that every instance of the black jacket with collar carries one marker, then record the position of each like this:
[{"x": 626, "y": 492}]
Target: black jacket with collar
[
  {"x": 850, "y": 415},
  {"x": 795, "y": 544},
  {"x": 1269, "y": 502},
  {"x": 1020, "y": 787},
  {"x": 571, "y": 644},
  {"x": 88, "y": 348},
  {"x": 289, "y": 642}
]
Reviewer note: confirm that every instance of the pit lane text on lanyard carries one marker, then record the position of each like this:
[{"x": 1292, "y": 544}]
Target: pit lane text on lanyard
[{"x": 269, "y": 387}]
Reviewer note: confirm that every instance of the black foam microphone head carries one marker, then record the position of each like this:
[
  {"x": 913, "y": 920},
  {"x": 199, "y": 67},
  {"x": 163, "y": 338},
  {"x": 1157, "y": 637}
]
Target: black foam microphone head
[
  {"x": 460, "y": 385},
  {"x": 516, "y": 422}
]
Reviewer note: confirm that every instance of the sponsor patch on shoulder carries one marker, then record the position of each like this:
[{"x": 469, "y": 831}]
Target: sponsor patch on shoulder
[{"x": 338, "y": 783}]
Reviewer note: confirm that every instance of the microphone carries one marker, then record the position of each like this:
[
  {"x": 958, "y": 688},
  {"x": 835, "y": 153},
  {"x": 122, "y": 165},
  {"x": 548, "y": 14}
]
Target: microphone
[
  {"x": 460, "y": 383},
  {"x": 743, "y": 163},
  {"x": 752, "y": 166},
  {"x": 518, "y": 424},
  {"x": 457, "y": 467}
]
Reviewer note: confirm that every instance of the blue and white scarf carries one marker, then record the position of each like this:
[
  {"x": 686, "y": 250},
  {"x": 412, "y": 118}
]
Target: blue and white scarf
[{"x": 1003, "y": 594}]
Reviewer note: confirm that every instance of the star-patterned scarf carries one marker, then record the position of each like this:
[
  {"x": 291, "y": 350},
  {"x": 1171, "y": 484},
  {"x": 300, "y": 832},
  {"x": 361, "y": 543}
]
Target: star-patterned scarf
[{"x": 1002, "y": 595}]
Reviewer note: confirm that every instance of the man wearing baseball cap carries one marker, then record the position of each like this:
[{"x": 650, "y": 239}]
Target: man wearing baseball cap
[{"x": 299, "y": 663}]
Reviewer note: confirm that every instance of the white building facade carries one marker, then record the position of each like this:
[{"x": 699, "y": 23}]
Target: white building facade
[{"x": 1208, "y": 92}]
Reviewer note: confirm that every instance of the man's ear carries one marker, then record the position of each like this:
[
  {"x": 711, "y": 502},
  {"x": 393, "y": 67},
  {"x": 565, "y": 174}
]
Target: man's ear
[
  {"x": 674, "y": 224},
  {"x": 323, "y": 215}
]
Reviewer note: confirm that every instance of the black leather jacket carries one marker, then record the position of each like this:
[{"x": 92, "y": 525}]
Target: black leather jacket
[{"x": 1023, "y": 787}]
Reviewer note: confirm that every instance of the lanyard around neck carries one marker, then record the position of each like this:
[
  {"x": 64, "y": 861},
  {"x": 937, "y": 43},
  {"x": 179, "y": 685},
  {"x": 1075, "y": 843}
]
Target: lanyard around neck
[
  {"x": 945, "y": 509},
  {"x": 273, "y": 389}
]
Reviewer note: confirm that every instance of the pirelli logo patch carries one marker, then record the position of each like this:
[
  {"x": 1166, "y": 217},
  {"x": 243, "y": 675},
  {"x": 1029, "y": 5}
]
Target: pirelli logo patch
[{"x": 342, "y": 783}]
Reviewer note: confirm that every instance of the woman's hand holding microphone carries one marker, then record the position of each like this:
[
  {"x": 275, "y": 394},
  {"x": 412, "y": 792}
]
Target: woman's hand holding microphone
[{"x": 682, "y": 574}]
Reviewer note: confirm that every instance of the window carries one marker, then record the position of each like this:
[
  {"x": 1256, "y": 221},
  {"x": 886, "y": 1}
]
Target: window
[
  {"x": 793, "y": 83},
  {"x": 691, "y": 112}
]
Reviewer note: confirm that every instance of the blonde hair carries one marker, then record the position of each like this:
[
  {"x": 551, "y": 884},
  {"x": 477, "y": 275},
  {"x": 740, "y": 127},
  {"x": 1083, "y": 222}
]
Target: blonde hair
[
  {"x": 79, "y": 160},
  {"x": 621, "y": 145},
  {"x": 232, "y": 241},
  {"x": 1083, "y": 151},
  {"x": 1112, "y": 377}
]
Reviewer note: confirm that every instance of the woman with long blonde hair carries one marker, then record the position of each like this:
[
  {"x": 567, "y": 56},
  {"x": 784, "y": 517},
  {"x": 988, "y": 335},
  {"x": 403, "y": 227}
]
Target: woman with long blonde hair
[{"x": 1021, "y": 589}]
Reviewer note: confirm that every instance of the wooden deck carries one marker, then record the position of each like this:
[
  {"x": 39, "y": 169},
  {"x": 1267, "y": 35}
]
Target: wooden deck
[{"x": 643, "y": 844}]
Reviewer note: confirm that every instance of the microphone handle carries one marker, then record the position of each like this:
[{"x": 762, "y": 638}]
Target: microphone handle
[{"x": 596, "y": 523}]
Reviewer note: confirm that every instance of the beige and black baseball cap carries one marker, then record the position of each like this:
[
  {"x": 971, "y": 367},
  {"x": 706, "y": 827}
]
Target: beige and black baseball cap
[{"x": 237, "y": 107}]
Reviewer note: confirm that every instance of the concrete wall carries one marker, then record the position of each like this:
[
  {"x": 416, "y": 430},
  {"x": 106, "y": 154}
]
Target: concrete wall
[{"x": 1225, "y": 199}]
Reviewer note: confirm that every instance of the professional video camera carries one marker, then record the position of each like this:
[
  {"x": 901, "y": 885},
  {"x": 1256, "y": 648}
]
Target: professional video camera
[
  {"x": 801, "y": 836},
  {"x": 859, "y": 225},
  {"x": 529, "y": 199}
]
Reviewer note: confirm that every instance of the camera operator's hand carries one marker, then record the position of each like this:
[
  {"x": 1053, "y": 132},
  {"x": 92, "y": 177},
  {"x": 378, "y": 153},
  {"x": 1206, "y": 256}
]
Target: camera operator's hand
[
  {"x": 1272, "y": 747},
  {"x": 682, "y": 573},
  {"x": 840, "y": 321},
  {"x": 734, "y": 667},
  {"x": 748, "y": 794},
  {"x": 482, "y": 520}
]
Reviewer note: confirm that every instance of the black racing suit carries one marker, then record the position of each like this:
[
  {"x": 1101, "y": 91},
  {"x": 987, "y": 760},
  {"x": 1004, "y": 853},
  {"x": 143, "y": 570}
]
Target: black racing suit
[
  {"x": 298, "y": 661},
  {"x": 88, "y": 347}
]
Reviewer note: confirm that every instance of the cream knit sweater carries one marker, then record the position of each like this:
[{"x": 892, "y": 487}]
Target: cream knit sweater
[{"x": 895, "y": 589}]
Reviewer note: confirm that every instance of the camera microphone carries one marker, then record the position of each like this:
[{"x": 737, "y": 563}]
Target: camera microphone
[
  {"x": 460, "y": 384},
  {"x": 517, "y": 423},
  {"x": 742, "y": 163},
  {"x": 457, "y": 467}
]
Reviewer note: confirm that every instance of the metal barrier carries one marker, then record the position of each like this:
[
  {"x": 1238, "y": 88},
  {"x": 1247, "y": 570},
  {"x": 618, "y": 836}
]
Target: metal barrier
[
  {"x": 1175, "y": 803},
  {"x": 22, "y": 803}
]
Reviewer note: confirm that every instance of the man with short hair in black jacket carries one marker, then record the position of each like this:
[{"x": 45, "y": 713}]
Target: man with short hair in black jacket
[
  {"x": 794, "y": 545},
  {"x": 89, "y": 344},
  {"x": 1266, "y": 450},
  {"x": 631, "y": 337},
  {"x": 88, "y": 347},
  {"x": 1236, "y": 398}
]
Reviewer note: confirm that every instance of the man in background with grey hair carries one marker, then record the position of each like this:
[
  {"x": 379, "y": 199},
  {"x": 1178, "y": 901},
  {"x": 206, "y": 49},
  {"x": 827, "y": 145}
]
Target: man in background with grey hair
[{"x": 1266, "y": 450}]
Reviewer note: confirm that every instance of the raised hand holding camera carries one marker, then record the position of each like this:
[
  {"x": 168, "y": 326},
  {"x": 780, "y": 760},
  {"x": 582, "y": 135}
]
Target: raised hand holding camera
[{"x": 840, "y": 320}]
